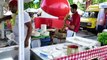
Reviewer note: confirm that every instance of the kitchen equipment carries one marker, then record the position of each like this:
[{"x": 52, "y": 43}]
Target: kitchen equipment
[
  {"x": 3, "y": 42},
  {"x": 45, "y": 33},
  {"x": 71, "y": 49},
  {"x": 43, "y": 27},
  {"x": 36, "y": 33},
  {"x": 60, "y": 34}
]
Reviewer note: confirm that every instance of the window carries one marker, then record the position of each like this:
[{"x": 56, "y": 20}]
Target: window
[{"x": 90, "y": 14}]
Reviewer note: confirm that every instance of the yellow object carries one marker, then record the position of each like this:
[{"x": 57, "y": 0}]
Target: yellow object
[
  {"x": 89, "y": 18},
  {"x": 93, "y": 8},
  {"x": 13, "y": 19}
]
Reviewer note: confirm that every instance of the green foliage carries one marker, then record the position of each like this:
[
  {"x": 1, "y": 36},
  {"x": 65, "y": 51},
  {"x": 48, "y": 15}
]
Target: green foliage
[
  {"x": 70, "y": 1},
  {"x": 29, "y": 5},
  {"x": 81, "y": 6},
  {"x": 95, "y": 1},
  {"x": 102, "y": 37},
  {"x": 98, "y": 1},
  {"x": 32, "y": 5}
]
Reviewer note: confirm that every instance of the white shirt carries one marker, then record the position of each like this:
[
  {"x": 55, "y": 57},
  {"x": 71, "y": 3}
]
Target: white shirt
[
  {"x": 100, "y": 17},
  {"x": 16, "y": 27}
]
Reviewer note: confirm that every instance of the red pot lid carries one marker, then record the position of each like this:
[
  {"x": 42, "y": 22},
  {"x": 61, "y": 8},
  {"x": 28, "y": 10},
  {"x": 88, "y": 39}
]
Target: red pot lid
[{"x": 73, "y": 46}]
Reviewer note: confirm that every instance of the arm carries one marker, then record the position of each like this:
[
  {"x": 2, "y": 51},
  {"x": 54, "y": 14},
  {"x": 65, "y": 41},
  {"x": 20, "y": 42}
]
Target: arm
[
  {"x": 71, "y": 27},
  {"x": 29, "y": 31},
  {"x": 74, "y": 24},
  {"x": 65, "y": 19}
]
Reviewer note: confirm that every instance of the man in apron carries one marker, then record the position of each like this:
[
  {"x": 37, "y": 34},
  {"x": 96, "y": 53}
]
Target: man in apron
[
  {"x": 13, "y": 6},
  {"x": 74, "y": 22}
]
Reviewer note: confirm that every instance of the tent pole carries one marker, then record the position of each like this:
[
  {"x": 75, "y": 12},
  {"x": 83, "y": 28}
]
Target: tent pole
[{"x": 21, "y": 29}]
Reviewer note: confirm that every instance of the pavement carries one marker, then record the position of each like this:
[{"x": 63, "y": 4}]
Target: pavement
[{"x": 86, "y": 34}]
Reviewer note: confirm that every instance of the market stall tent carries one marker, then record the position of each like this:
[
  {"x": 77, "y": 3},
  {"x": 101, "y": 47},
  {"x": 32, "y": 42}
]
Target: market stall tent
[
  {"x": 57, "y": 8},
  {"x": 103, "y": 5}
]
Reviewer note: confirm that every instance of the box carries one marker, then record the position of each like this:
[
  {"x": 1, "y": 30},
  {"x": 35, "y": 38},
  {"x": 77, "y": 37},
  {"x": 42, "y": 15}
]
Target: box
[{"x": 45, "y": 41}]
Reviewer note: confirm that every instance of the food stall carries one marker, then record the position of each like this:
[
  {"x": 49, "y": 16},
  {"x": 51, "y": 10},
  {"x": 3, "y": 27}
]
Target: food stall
[
  {"x": 87, "y": 49},
  {"x": 9, "y": 52},
  {"x": 74, "y": 48},
  {"x": 80, "y": 48},
  {"x": 74, "y": 45}
]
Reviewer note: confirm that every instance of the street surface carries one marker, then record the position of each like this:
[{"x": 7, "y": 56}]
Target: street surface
[{"x": 86, "y": 34}]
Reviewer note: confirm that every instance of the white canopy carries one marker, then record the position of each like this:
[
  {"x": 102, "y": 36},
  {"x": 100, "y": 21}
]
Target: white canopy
[{"x": 103, "y": 5}]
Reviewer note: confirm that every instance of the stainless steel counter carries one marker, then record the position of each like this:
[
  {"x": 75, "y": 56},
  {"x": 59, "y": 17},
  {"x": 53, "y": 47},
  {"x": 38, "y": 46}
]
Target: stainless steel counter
[
  {"x": 50, "y": 52},
  {"x": 8, "y": 53}
]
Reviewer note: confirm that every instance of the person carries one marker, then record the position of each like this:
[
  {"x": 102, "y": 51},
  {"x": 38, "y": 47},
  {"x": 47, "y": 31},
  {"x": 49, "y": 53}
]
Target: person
[
  {"x": 101, "y": 20},
  {"x": 74, "y": 25},
  {"x": 31, "y": 14},
  {"x": 13, "y": 7},
  {"x": 34, "y": 43}
]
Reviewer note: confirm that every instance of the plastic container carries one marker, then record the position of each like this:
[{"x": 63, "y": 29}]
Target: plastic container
[{"x": 35, "y": 43}]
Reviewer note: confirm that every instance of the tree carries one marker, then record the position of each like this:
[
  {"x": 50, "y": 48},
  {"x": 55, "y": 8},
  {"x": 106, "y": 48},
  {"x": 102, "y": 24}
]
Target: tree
[
  {"x": 98, "y": 1},
  {"x": 70, "y": 1},
  {"x": 95, "y": 1},
  {"x": 32, "y": 4},
  {"x": 81, "y": 6}
]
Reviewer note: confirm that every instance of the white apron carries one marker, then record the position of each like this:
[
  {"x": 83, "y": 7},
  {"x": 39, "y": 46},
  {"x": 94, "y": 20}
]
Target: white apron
[{"x": 70, "y": 33}]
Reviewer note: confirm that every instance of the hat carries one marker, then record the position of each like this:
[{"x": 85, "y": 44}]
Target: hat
[{"x": 13, "y": 3}]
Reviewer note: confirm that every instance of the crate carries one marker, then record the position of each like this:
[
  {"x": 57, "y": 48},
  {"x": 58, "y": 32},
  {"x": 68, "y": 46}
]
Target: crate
[{"x": 45, "y": 41}]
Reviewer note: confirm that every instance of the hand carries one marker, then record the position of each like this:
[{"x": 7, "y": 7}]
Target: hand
[{"x": 26, "y": 43}]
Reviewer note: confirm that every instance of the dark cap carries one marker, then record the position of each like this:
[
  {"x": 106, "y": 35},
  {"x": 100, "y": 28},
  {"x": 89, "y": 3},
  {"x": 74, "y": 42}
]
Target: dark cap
[
  {"x": 74, "y": 6},
  {"x": 13, "y": 3}
]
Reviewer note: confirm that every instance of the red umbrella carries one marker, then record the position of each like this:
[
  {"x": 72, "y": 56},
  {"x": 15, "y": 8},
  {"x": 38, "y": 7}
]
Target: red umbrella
[{"x": 57, "y": 8}]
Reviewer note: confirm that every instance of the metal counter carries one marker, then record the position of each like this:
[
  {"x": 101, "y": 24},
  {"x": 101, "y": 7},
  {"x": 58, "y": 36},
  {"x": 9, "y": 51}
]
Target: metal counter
[{"x": 9, "y": 53}]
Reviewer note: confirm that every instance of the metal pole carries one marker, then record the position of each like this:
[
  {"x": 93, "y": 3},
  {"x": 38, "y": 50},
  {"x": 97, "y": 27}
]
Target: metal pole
[{"x": 21, "y": 29}]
